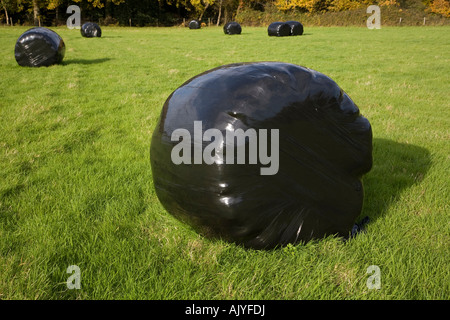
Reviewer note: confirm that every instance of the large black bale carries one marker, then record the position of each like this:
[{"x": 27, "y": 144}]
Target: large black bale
[
  {"x": 39, "y": 47},
  {"x": 194, "y": 24},
  {"x": 279, "y": 29},
  {"x": 262, "y": 154},
  {"x": 232, "y": 28},
  {"x": 91, "y": 30},
  {"x": 296, "y": 28}
]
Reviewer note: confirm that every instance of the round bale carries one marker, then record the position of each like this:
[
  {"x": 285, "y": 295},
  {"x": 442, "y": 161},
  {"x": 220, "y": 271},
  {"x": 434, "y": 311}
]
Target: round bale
[
  {"x": 91, "y": 30},
  {"x": 38, "y": 47},
  {"x": 279, "y": 29},
  {"x": 262, "y": 154},
  {"x": 194, "y": 24},
  {"x": 232, "y": 28},
  {"x": 296, "y": 28}
]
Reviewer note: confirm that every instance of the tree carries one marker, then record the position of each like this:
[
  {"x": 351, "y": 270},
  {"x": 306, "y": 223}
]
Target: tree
[
  {"x": 100, "y": 3},
  {"x": 54, "y": 5},
  {"x": 441, "y": 7},
  {"x": 5, "y": 4},
  {"x": 35, "y": 7},
  {"x": 220, "y": 12},
  {"x": 342, "y": 5},
  {"x": 36, "y": 12},
  {"x": 305, "y": 5}
]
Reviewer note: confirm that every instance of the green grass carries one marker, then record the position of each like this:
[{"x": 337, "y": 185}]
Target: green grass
[{"x": 76, "y": 184}]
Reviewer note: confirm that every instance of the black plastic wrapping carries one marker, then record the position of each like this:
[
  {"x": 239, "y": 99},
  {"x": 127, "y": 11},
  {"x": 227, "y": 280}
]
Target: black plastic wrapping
[
  {"x": 324, "y": 148},
  {"x": 194, "y": 24},
  {"x": 39, "y": 47},
  {"x": 296, "y": 28},
  {"x": 91, "y": 30},
  {"x": 232, "y": 28},
  {"x": 279, "y": 29}
]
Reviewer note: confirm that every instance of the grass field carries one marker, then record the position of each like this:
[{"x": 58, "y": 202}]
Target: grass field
[{"x": 76, "y": 184}]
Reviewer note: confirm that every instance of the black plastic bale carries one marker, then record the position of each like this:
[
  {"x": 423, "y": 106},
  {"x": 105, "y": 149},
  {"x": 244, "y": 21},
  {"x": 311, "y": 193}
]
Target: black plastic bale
[
  {"x": 232, "y": 28},
  {"x": 319, "y": 143},
  {"x": 194, "y": 24},
  {"x": 279, "y": 29},
  {"x": 296, "y": 28},
  {"x": 91, "y": 30},
  {"x": 39, "y": 47}
]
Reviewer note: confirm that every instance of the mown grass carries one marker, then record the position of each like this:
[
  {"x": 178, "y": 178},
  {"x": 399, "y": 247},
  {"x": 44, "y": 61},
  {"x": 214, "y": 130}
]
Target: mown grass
[{"x": 76, "y": 183}]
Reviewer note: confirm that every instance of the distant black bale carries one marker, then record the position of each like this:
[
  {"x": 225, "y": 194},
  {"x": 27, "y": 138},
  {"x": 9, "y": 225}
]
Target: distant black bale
[
  {"x": 38, "y": 47},
  {"x": 279, "y": 29},
  {"x": 296, "y": 28},
  {"x": 91, "y": 30},
  {"x": 194, "y": 24},
  {"x": 232, "y": 28}
]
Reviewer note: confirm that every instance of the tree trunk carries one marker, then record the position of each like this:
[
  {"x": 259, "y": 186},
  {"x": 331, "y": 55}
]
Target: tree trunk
[
  {"x": 226, "y": 16},
  {"x": 56, "y": 17},
  {"x": 220, "y": 12},
  {"x": 6, "y": 13},
  {"x": 240, "y": 6},
  {"x": 201, "y": 16},
  {"x": 36, "y": 12}
]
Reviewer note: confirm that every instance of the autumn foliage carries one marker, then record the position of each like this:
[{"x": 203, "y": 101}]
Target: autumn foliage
[{"x": 170, "y": 12}]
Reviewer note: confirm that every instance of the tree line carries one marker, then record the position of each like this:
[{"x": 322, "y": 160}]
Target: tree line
[{"x": 172, "y": 12}]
